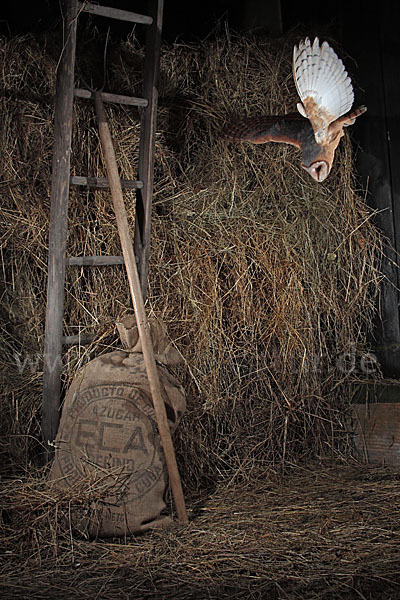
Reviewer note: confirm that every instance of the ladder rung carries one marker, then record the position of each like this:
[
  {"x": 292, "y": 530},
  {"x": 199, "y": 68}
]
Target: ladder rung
[
  {"x": 116, "y": 98},
  {"x": 83, "y": 338},
  {"x": 115, "y": 13},
  {"x": 94, "y": 261},
  {"x": 102, "y": 183}
]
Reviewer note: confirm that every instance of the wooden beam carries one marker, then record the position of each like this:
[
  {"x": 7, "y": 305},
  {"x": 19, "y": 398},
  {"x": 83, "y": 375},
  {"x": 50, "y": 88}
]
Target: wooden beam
[
  {"x": 58, "y": 227},
  {"x": 147, "y": 140}
]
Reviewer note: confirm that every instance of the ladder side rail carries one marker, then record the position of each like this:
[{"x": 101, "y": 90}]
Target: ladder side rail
[
  {"x": 52, "y": 366},
  {"x": 147, "y": 142}
]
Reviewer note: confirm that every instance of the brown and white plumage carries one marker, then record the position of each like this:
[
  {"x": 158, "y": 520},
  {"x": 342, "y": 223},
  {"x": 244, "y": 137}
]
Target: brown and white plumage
[
  {"x": 323, "y": 85},
  {"x": 326, "y": 95}
]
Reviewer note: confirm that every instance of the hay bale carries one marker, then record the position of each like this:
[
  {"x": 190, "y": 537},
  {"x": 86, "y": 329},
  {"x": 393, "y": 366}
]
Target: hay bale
[{"x": 264, "y": 278}]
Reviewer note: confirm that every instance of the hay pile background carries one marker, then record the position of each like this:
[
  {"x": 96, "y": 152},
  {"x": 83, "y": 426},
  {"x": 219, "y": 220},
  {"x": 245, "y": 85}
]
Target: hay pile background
[{"x": 266, "y": 280}]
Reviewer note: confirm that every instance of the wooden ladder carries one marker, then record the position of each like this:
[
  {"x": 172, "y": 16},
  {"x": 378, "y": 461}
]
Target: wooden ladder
[{"x": 61, "y": 181}]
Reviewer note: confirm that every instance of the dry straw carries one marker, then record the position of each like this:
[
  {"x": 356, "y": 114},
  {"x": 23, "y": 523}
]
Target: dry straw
[
  {"x": 330, "y": 534},
  {"x": 265, "y": 279}
]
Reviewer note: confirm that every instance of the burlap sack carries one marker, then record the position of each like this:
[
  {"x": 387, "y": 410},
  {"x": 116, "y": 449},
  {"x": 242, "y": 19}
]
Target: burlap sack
[{"x": 108, "y": 433}]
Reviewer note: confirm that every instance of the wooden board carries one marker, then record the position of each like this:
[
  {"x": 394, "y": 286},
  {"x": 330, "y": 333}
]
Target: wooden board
[
  {"x": 377, "y": 432},
  {"x": 114, "y": 98}
]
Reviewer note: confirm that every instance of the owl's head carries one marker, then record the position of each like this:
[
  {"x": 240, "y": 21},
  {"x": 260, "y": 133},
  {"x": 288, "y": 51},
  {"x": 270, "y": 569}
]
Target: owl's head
[{"x": 317, "y": 157}]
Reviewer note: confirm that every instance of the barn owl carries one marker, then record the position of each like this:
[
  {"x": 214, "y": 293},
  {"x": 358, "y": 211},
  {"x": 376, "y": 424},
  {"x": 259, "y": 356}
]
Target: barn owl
[{"x": 326, "y": 95}]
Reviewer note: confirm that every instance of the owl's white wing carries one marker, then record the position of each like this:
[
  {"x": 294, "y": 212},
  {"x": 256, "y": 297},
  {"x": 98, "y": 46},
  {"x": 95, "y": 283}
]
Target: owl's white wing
[{"x": 323, "y": 85}]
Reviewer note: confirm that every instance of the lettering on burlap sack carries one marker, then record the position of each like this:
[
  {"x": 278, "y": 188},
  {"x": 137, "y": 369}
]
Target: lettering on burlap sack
[{"x": 108, "y": 433}]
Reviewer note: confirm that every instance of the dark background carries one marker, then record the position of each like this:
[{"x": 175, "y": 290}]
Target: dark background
[
  {"x": 370, "y": 38},
  {"x": 189, "y": 21}
]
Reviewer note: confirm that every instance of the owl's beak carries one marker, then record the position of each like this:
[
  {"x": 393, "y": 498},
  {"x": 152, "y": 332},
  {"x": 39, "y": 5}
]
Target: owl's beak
[{"x": 319, "y": 170}]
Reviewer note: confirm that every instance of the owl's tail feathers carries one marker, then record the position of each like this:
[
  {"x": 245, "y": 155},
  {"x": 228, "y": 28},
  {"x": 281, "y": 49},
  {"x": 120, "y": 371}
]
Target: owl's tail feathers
[
  {"x": 345, "y": 121},
  {"x": 350, "y": 118}
]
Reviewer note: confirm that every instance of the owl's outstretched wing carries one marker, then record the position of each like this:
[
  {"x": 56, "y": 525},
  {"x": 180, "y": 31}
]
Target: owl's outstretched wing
[
  {"x": 263, "y": 129},
  {"x": 324, "y": 87}
]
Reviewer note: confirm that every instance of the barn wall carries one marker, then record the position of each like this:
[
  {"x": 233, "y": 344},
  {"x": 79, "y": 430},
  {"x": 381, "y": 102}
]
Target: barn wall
[{"x": 371, "y": 36}]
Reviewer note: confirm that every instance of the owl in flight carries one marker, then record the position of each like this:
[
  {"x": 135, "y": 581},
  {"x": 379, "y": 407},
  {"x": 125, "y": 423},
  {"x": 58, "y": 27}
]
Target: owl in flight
[{"x": 326, "y": 96}]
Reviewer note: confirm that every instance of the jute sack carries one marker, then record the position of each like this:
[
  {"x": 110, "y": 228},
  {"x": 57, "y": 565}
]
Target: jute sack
[{"x": 108, "y": 433}]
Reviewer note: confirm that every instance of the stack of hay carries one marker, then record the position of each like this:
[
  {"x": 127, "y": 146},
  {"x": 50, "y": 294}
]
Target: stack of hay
[{"x": 266, "y": 280}]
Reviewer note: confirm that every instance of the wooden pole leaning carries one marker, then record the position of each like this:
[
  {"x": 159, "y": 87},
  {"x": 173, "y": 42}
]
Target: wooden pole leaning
[{"x": 140, "y": 313}]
